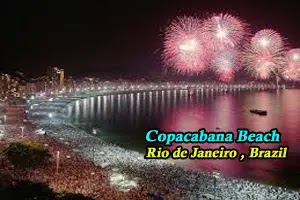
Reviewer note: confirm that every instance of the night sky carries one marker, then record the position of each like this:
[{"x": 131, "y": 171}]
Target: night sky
[{"x": 116, "y": 39}]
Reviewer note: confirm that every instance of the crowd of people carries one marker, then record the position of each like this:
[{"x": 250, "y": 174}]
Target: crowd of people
[{"x": 73, "y": 174}]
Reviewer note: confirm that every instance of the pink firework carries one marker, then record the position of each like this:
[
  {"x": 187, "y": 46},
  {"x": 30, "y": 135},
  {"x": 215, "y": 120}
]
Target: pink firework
[
  {"x": 265, "y": 54},
  {"x": 224, "y": 30},
  {"x": 184, "y": 46},
  {"x": 267, "y": 41},
  {"x": 291, "y": 74},
  {"x": 225, "y": 63},
  {"x": 293, "y": 58},
  {"x": 292, "y": 69}
]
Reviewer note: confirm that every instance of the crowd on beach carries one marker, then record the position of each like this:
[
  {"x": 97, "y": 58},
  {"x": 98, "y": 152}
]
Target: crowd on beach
[
  {"x": 117, "y": 173},
  {"x": 163, "y": 176},
  {"x": 74, "y": 174}
]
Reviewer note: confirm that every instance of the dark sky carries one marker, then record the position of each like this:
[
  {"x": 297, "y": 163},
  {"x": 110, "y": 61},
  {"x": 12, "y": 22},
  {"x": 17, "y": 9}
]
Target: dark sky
[{"x": 115, "y": 38}]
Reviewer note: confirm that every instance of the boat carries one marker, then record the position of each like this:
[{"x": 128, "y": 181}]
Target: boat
[{"x": 259, "y": 112}]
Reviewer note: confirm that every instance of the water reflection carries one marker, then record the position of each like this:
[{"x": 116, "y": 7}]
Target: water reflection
[
  {"x": 125, "y": 119},
  {"x": 150, "y": 100},
  {"x": 92, "y": 110},
  {"x": 104, "y": 107},
  {"x": 98, "y": 108}
]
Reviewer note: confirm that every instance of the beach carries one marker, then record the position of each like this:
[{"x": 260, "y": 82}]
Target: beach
[{"x": 128, "y": 169}]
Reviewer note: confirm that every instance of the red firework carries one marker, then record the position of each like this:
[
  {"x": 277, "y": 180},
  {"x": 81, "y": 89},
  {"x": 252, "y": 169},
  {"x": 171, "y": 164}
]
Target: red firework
[{"x": 185, "y": 47}]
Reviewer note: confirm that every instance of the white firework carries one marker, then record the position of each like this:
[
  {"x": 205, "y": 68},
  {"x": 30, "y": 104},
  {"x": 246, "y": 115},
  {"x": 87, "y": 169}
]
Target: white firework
[
  {"x": 225, "y": 61},
  {"x": 267, "y": 40},
  {"x": 224, "y": 30}
]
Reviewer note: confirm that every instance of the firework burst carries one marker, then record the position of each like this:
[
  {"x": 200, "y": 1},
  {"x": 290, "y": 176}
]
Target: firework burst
[
  {"x": 292, "y": 69},
  {"x": 291, "y": 74},
  {"x": 293, "y": 58},
  {"x": 224, "y": 30},
  {"x": 265, "y": 54},
  {"x": 225, "y": 63},
  {"x": 267, "y": 41},
  {"x": 184, "y": 46}
]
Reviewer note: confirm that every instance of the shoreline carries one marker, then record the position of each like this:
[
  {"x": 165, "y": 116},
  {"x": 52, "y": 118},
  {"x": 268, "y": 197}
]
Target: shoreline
[{"x": 188, "y": 183}]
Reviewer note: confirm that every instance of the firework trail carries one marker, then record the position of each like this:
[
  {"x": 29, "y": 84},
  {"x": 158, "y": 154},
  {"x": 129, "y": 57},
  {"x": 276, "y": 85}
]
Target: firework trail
[
  {"x": 225, "y": 63},
  {"x": 224, "y": 30},
  {"x": 265, "y": 54},
  {"x": 185, "y": 47}
]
